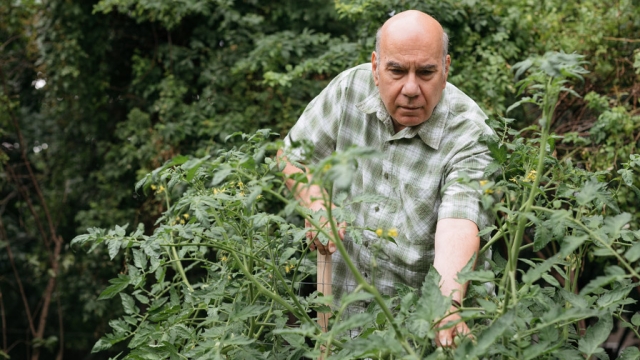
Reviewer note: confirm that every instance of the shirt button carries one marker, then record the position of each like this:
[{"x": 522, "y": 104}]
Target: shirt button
[
  {"x": 377, "y": 208},
  {"x": 366, "y": 275},
  {"x": 386, "y": 176}
]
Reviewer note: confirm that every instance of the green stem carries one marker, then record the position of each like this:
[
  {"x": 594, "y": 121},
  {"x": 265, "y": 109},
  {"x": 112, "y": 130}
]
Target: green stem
[
  {"x": 493, "y": 239},
  {"x": 547, "y": 112},
  {"x": 361, "y": 280},
  {"x": 598, "y": 239},
  {"x": 173, "y": 254}
]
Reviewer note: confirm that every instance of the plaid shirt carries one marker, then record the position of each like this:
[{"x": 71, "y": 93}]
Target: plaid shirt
[{"x": 416, "y": 177}]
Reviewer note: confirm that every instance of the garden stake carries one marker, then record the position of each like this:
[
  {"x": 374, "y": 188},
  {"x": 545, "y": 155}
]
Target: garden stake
[{"x": 324, "y": 286}]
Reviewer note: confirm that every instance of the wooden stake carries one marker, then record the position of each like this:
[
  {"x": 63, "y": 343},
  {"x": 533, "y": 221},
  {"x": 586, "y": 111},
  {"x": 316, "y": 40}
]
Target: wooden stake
[{"x": 324, "y": 286}]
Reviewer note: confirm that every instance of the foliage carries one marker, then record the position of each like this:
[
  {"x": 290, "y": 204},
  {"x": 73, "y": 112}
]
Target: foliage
[
  {"x": 129, "y": 85},
  {"x": 236, "y": 267}
]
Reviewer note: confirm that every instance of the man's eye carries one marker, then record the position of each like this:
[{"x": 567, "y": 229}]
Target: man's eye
[
  {"x": 426, "y": 73},
  {"x": 396, "y": 71}
]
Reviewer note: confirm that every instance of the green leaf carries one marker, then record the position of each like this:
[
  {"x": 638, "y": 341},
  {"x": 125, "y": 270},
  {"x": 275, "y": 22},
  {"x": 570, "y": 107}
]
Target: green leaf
[
  {"x": 574, "y": 299},
  {"x": 599, "y": 282},
  {"x": 633, "y": 253},
  {"x": 498, "y": 151},
  {"x": 352, "y": 322},
  {"x": 178, "y": 160},
  {"x": 246, "y": 312},
  {"x": 287, "y": 254},
  {"x": 630, "y": 353},
  {"x": 290, "y": 208},
  {"x": 139, "y": 259},
  {"x": 570, "y": 243},
  {"x": 596, "y": 335},
  {"x": 355, "y": 297},
  {"x": 220, "y": 175},
  {"x": 117, "y": 286},
  {"x": 114, "y": 247},
  {"x": 635, "y": 319},
  {"x": 478, "y": 275},
  {"x": 486, "y": 230},
  {"x": 101, "y": 345},
  {"x": 128, "y": 304},
  {"x": 488, "y": 306},
  {"x": 613, "y": 225},
  {"x": 541, "y": 237},
  {"x": 488, "y": 337},
  {"x": 194, "y": 166}
]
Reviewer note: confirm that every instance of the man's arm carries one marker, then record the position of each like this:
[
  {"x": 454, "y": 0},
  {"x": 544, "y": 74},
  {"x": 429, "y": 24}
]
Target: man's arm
[
  {"x": 310, "y": 196},
  {"x": 456, "y": 241}
]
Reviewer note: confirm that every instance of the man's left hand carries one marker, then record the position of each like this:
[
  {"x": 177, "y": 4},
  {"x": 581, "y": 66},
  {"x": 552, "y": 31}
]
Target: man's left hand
[{"x": 445, "y": 337}]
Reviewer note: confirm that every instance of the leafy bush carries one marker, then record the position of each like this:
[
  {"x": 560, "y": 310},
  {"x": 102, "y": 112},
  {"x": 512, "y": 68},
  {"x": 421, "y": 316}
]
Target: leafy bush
[{"x": 220, "y": 275}]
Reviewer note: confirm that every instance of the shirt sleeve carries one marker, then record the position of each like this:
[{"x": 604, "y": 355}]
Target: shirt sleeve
[
  {"x": 462, "y": 198},
  {"x": 318, "y": 125}
]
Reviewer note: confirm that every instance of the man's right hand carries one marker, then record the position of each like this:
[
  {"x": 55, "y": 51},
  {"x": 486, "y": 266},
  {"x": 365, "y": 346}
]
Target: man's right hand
[{"x": 312, "y": 236}]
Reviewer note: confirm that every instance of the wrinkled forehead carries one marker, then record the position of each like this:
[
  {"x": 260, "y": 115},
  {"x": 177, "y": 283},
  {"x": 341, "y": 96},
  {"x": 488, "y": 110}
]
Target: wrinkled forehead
[{"x": 414, "y": 44}]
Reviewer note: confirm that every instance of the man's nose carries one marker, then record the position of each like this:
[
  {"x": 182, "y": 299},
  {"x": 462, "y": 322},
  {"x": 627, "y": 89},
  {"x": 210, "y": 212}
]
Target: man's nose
[{"x": 411, "y": 88}]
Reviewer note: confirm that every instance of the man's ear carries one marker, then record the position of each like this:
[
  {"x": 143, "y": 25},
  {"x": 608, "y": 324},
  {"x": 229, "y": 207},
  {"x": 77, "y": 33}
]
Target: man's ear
[
  {"x": 447, "y": 63},
  {"x": 374, "y": 67}
]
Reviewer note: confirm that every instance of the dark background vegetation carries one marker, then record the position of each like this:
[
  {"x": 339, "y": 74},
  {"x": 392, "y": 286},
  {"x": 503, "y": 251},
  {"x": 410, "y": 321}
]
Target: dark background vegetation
[{"x": 130, "y": 84}]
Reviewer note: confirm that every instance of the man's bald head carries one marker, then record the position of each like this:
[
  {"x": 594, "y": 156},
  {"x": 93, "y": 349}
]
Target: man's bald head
[
  {"x": 412, "y": 20},
  {"x": 407, "y": 67}
]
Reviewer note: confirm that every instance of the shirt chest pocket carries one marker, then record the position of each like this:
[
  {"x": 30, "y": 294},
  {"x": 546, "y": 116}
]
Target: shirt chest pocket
[{"x": 419, "y": 209}]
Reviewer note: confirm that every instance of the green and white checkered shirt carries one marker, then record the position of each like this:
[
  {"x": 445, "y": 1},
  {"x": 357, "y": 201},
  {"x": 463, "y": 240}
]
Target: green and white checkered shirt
[{"x": 417, "y": 163}]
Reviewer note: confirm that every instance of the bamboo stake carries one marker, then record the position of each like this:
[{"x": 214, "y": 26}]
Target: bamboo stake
[{"x": 324, "y": 286}]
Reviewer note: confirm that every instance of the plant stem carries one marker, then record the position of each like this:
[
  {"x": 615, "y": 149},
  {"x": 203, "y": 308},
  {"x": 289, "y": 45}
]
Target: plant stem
[
  {"x": 173, "y": 255},
  {"x": 548, "y": 107},
  {"x": 362, "y": 282},
  {"x": 597, "y": 238}
]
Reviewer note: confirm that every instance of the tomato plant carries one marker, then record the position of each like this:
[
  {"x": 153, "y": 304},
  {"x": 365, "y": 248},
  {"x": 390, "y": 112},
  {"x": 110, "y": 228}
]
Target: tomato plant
[{"x": 219, "y": 276}]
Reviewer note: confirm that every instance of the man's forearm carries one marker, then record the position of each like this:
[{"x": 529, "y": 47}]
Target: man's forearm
[
  {"x": 456, "y": 241},
  {"x": 310, "y": 196}
]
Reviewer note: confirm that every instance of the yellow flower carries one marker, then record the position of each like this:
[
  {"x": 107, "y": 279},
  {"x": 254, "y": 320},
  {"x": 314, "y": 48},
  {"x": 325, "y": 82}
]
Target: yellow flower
[
  {"x": 186, "y": 216},
  {"x": 153, "y": 187},
  {"x": 287, "y": 269},
  {"x": 326, "y": 167},
  {"x": 483, "y": 183},
  {"x": 224, "y": 258},
  {"x": 514, "y": 180},
  {"x": 531, "y": 176},
  {"x": 241, "y": 193},
  {"x": 240, "y": 184},
  {"x": 182, "y": 222},
  {"x": 160, "y": 190},
  {"x": 393, "y": 232},
  {"x": 379, "y": 232}
]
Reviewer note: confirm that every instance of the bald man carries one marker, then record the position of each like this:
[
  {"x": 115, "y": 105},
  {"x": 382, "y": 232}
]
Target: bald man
[{"x": 428, "y": 131}]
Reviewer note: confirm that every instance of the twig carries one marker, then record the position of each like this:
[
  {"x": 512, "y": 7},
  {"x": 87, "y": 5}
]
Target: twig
[
  {"x": 27, "y": 199},
  {"x": 60, "y": 355},
  {"x": 53, "y": 255},
  {"x": 20, "y": 287}
]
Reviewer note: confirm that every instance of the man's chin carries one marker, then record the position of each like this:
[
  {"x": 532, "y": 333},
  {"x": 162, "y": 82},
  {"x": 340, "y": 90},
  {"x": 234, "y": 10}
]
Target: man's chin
[{"x": 406, "y": 121}]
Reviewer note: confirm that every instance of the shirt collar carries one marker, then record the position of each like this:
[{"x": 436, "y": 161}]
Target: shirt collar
[{"x": 430, "y": 132}]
